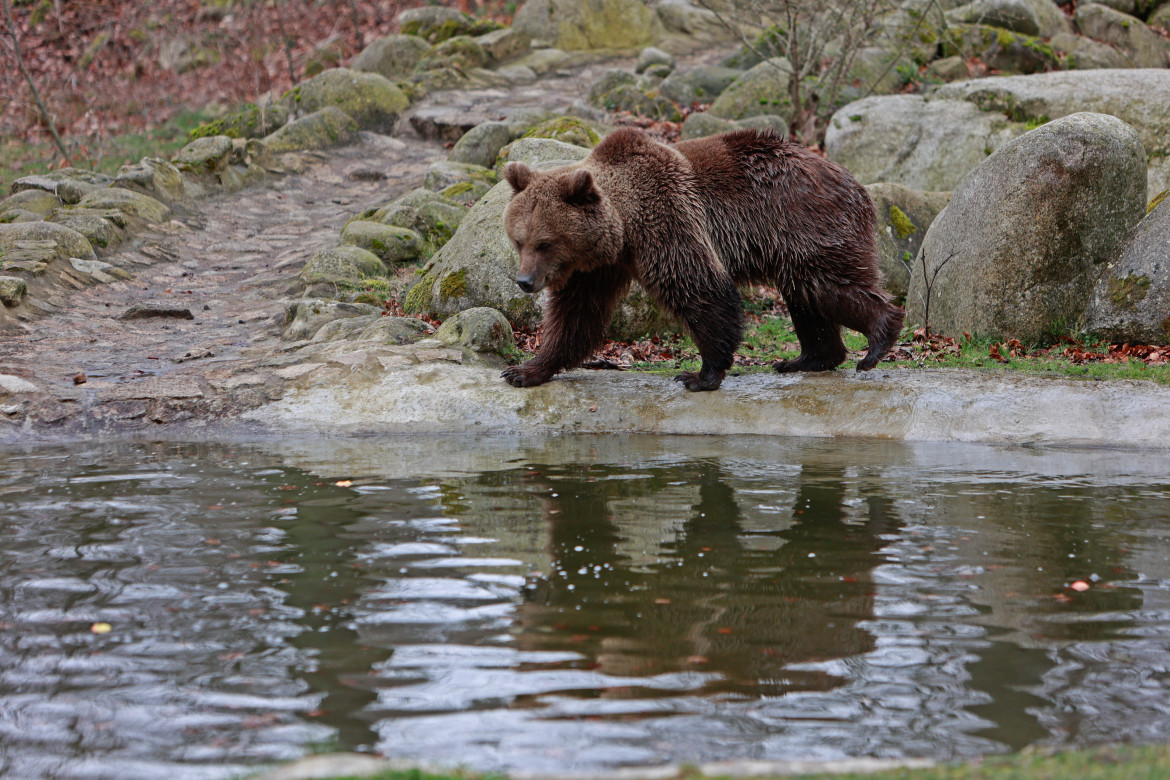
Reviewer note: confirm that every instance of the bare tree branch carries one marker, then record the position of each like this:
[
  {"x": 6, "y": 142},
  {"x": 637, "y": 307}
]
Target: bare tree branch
[{"x": 46, "y": 117}]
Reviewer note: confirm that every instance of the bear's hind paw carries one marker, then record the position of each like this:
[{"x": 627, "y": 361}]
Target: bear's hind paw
[{"x": 697, "y": 380}]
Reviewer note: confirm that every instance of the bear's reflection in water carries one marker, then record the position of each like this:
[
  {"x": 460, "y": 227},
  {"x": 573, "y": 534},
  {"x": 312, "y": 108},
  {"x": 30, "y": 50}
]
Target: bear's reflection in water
[{"x": 736, "y": 601}]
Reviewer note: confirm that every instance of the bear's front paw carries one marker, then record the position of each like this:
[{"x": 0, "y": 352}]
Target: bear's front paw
[
  {"x": 700, "y": 380},
  {"x": 524, "y": 376}
]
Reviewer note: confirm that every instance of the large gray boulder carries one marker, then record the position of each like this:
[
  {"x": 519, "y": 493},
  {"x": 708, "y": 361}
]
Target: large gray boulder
[
  {"x": 391, "y": 56},
  {"x": 1131, "y": 301},
  {"x": 304, "y": 317},
  {"x": 702, "y": 84},
  {"x": 762, "y": 90},
  {"x": 903, "y": 217},
  {"x": 319, "y": 130},
  {"x": 1019, "y": 248},
  {"x": 590, "y": 24},
  {"x": 919, "y": 143},
  {"x": 1031, "y": 17},
  {"x": 481, "y": 144},
  {"x": 680, "y": 16},
  {"x": 1136, "y": 96},
  {"x": 1142, "y": 47},
  {"x": 33, "y": 245},
  {"x": 540, "y": 152},
  {"x": 482, "y": 329}
]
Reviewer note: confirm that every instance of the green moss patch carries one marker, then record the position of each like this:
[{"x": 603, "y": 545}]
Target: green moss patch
[
  {"x": 1127, "y": 292},
  {"x": 903, "y": 227},
  {"x": 568, "y": 129},
  {"x": 454, "y": 285}
]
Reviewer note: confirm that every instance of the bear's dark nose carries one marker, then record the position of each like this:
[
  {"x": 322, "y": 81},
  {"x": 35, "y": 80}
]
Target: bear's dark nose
[{"x": 525, "y": 283}]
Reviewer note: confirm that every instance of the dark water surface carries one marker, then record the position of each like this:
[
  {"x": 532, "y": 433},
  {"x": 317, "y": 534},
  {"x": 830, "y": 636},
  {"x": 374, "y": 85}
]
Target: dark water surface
[{"x": 574, "y": 604}]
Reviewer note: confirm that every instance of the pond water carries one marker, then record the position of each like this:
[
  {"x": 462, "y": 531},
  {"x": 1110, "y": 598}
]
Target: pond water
[{"x": 574, "y": 604}]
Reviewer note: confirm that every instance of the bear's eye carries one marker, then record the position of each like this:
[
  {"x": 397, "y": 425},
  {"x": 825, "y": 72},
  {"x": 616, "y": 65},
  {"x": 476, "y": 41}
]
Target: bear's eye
[{"x": 543, "y": 246}]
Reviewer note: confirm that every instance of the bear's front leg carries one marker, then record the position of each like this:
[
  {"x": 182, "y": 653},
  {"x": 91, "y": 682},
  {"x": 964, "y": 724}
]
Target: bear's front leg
[{"x": 575, "y": 318}]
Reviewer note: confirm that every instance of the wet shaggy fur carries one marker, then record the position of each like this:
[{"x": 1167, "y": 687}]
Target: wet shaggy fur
[{"x": 692, "y": 222}]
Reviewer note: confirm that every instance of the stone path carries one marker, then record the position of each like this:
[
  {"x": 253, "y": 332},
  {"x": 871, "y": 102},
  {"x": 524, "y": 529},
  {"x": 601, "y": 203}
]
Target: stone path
[{"x": 231, "y": 261}]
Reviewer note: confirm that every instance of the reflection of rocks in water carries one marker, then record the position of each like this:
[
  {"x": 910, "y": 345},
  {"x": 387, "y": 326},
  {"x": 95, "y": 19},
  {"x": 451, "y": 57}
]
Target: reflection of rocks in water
[{"x": 736, "y": 605}]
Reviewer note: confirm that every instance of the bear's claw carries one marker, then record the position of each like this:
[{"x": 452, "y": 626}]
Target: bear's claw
[
  {"x": 518, "y": 376},
  {"x": 697, "y": 380}
]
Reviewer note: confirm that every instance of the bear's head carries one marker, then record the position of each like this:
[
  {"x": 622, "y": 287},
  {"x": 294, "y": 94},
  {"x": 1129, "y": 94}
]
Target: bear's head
[{"x": 560, "y": 222}]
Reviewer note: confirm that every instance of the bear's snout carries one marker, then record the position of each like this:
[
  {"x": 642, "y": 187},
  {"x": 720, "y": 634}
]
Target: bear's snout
[{"x": 526, "y": 283}]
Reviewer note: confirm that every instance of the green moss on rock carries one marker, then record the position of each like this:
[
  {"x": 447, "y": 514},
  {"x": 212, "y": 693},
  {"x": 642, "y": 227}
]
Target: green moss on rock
[
  {"x": 1127, "y": 292},
  {"x": 568, "y": 129},
  {"x": 454, "y": 285},
  {"x": 903, "y": 227}
]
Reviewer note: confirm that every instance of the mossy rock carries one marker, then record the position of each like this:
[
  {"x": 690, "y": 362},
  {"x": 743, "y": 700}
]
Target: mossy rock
[
  {"x": 128, "y": 202},
  {"x": 13, "y": 291},
  {"x": 444, "y": 173},
  {"x": 320, "y": 130},
  {"x": 540, "y": 152},
  {"x": 68, "y": 184},
  {"x": 1003, "y": 50},
  {"x": 762, "y": 90},
  {"x": 699, "y": 85},
  {"x": 598, "y": 24},
  {"x": 36, "y": 201},
  {"x": 373, "y": 101},
  {"x": 428, "y": 213},
  {"x": 101, "y": 232},
  {"x": 903, "y": 217},
  {"x": 606, "y": 83},
  {"x": 204, "y": 155},
  {"x": 461, "y": 52},
  {"x": 19, "y": 215},
  {"x": 392, "y": 245},
  {"x": 504, "y": 44},
  {"x": 392, "y": 56},
  {"x": 437, "y": 24},
  {"x": 466, "y": 192},
  {"x": 41, "y": 242},
  {"x": 396, "y": 330},
  {"x": 480, "y": 329},
  {"x": 702, "y": 124},
  {"x": 153, "y": 176},
  {"x": 568, "y": 129},
  {"x": 340, "y": 265},
  {"x": 251, "y": 121},
  {"x": 304, "y": 317},
  {"x": 767, "y": 44},
  {"x": 481, "y": 144}
]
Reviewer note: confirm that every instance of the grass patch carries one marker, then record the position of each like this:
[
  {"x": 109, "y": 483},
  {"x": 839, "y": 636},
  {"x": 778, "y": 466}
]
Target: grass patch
[
  {"x": 773, "y": 338},
  {"x": 105, "y": 154}
]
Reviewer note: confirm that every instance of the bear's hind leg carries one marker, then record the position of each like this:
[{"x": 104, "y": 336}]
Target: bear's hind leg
[
  {"x": 879, "y": 321},
  {"x": 821, "y": 348}
]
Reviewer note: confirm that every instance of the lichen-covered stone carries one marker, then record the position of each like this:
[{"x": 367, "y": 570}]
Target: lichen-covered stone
[
  {"x": 1076, "y": 52},
  {"x": 466, "y": 192},
  {"x": 651, "y": 56},
  {"x": 598, "y": 24},
  {"x": 41, "y": 242},
  {"x": 480, "y": 329},
  {"x": 204, "y": 155},
  {"x": 320, "y": 130},
  {"x": 391, "y": 56},
  {"x": 396, "y": 330},
  {"x": 251, "y": 121},
  {"x": 922, "y": 144},
  {"x": 903, "y": 217},
  {"x": 762, "y": 90},
  {"x": 427, "y": 213},
  {"x": 437, "y": 24},
  {"x": 373, "y": 101},
  {"x": 606, "y": 83},
  {"x": 702, "y": 124},
  {"x": 19, "y": 215},
  {"x": 698, "y": 85},
  {"x": 36, "y": 201},
  {"x": 442, "y": 174},
  {"x": 341, "y": 264},
  {"x": 542, "y": 61},
  {"x": 68, "y": 184},
  {"x": 102, "y": 233},
  {"x": 1004, "y": 50},
  {"x": 540, "y": 152},
  {"x": 461, "y": 53},
  {"x": 1031, "y": 17},
  {"x": 567, "y": 129},
  {"x": 1131, "y": 300},
  {"x": 129, "y": 202},
  {"x": 346, "y": 328},
  {"x": 640, "y": 101},
  {"x": 13, "y": 290},
  {"x": 304, "y": 317},
  {"x": 1019, "y": 248},
  {"x": 1142, "y": 47},
  {"x": 391, "y": 244},
  {"x": 501, "y": 45},
  {"x": 153, "y": 176},
  {"x": 481, "y": 144},
  {"x": 680, "y": 16}
]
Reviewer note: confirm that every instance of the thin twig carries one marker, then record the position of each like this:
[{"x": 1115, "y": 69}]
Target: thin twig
[{"x": 46, "y": 117}]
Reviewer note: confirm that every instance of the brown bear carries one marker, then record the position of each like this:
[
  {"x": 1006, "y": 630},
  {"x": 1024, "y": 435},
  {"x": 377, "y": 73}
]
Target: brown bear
[{"x": 690, "y": 222}]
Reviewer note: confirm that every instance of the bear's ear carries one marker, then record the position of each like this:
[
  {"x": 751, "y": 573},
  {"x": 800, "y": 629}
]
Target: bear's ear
[
  {"x": 578, "y": 188},
  {"x": 518, "y": 175}
]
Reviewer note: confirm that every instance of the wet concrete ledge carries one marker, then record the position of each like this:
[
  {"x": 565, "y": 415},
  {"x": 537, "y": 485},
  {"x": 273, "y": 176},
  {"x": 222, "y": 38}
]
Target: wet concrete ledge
[{"x": 906, "y": 404}]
